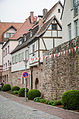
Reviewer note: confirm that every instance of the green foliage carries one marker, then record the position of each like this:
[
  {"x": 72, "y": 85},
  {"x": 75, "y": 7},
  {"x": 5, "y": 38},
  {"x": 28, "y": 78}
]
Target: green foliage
[
  {"x": 33, "y": 93},
  {"x": 57, "y": 102},
  {"x": 43, "y": 101},
  {"x": 6, "y": 87},
  {"x": 13, "y": 92},
  {"x": 37, "y": 99},
  {"x": 15, "y": 88},
  {"x": 50, "y": 102},
  {"x": 70, "y": 99},
  {"x": 21, "y": 92}
]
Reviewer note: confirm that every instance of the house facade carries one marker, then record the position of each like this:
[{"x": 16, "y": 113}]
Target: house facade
[
  {"x": 70, "y": 20},
  {"x": 7, "y": 29},
  {"x": 28, "y": 55}
]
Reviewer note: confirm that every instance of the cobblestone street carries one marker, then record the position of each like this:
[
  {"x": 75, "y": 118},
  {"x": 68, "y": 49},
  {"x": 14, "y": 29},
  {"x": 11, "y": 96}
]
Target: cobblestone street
[
  {"x": 14, "y": 107},
  {"x": 13, "y": 110}
]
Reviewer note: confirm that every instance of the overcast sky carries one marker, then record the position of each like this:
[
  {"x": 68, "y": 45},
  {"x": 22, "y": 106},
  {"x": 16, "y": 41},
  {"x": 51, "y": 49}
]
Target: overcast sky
[{"x": 19, "y": 10}]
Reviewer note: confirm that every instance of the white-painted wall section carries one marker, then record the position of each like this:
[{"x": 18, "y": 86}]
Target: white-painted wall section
[
  {"x": 69, "y": 18},
  {"x": 7, "y": 59}
]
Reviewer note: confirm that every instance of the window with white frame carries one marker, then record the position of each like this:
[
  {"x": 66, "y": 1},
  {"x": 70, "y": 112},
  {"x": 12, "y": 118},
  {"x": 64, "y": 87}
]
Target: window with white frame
[
  {"x": 76, "y": 28},
  {"x": 9, "y": 35},
  {"x": 25, "y": 38},
  {"x": 13, "y": 60},
  {"x": 69, "y": 31},
  {"x": 33, "y": 49},
  {"x": 20, "y": 41},
  {"x": 75, "y": 5},
  {"x": 16, "y": 59},
  {"x": 30, "y": 33},
  {"x": 8, "y": 49},
  {"x": 26, "y": 54},
  {"x": 8, "y": 63},
  {"x": 22, "y": 55}
]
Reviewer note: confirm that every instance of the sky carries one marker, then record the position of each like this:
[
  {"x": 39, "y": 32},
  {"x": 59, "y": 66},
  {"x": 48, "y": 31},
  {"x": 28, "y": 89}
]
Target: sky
[{"x": 19, "y": 10}]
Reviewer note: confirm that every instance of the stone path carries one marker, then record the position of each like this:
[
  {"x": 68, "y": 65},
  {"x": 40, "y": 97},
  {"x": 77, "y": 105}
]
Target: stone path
[
  {"x": 51, "y": 110},
  {"x": 13, "y": 110}
]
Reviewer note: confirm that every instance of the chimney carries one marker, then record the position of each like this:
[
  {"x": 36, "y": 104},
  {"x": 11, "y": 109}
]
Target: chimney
[
  {"x": 44, "y": 12},
  {"x": 31, "y": 16},
  {"x": 40, "y": 22}
]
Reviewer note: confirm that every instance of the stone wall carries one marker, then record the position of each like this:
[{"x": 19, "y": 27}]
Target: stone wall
[{"x": 62, "y": 72}]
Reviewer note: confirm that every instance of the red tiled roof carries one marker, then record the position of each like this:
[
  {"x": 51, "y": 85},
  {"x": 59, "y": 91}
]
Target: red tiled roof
[
  {"x": 23, "y": 29},
  {"x": 6, "y": 25}
]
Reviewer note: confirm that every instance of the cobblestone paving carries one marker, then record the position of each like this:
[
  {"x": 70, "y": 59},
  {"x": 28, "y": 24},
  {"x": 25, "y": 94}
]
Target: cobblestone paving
[{"x": 13, "y": 110}]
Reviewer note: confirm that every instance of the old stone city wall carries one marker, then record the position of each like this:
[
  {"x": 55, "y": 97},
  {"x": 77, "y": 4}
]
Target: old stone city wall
[{"x": 61, "y": 73}]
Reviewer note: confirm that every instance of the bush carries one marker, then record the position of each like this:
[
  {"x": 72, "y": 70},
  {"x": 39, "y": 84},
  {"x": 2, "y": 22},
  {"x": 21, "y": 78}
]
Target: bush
[
  {"x": 6, "y": 87},
  {"x": 57, "y": 102},
  {"x": 70, "y": 99},
  {"x": 50, "y": 102},
  {"x": 33, "y": 93},
  {"x": 21, "y": 92},
  {"x": 37, "y": 99},
  {"x": 43, "y": 101},
  {"x": 15, "y": 88},
  {"x": 13, "y": 92}
]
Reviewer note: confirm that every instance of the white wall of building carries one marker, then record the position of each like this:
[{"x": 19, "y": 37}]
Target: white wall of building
[
  {"x": 55, "y": 12},
  {"x": 20, "y": 64},
  {"x": 68, "y": 18},
  {"x": 7, "y": 57}
]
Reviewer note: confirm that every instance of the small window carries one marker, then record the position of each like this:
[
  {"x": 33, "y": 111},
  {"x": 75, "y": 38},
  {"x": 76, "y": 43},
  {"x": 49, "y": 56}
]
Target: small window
[
  {"x": 8, "y": 63},
  {"x": 69, "y": 31},
  {"x": 58, "y": 10},
  {"x": 5, "y": 51},
  {"x": 33, "y": 49},
  {"x": 25, "y": 38},
  {"x": 76, "y": 28},
  {"x": 20, "y": 41},
  {"x": 31, "y": 34},
  {"x": 8, "y": 49},
  {"x": 54, "y": 26},
  {"x": 26, "y": 54}
]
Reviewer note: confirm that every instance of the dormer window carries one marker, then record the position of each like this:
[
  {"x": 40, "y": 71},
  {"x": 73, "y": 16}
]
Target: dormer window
[
  {"x": 20, "y": 41},
  {"x": 25, "y": 38},
  {"x": 31, "y": 34}
]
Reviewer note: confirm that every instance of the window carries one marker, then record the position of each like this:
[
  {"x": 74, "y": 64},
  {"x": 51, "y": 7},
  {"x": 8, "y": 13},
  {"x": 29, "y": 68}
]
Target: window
[
  {"x": 26, "y": 54},
  {"x": 33, "y": 49},
  {"x": 13, "y": 60},
  {"x": 76, "y": 28},
  {"x": 75, "y": 5},
  {"x": 8, "y": 49},
  {"x": 6, "y": 65},
  {"x": 5, "y": 51},
  {"x": 25, "y": 38},
  {"x": 31, "y": 34},
  {"x": 69, "y": 31},
  {"x": 8, "y": 62},
  {"x": 58, "y": 10},
  {"x": 16, "y": 59},
  {"x": 19, "y": 57},
  {"x": 54, "y": 26},
  {"x": 20, "y": 41},
  {"x": 9, "y": 35},
  {"x": 22, "y": 55}
]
